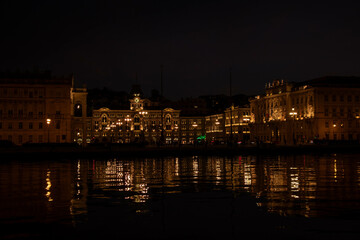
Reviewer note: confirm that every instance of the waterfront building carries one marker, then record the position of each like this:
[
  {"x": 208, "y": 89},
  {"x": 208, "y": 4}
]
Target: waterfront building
[
  {"x": 325, "y": 108},
  {"x": 215, "y": 128},
  {"x": 81, "y": 122},
  {"x": 140, "y": 123},
  {"x": 237, "y": 121},
  {"x": 35, "y": 108},
  {"x": 192, "y": 129}
]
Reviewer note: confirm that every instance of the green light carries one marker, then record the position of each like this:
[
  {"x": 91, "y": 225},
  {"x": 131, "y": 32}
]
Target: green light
[{"x": 203, "y": 137}]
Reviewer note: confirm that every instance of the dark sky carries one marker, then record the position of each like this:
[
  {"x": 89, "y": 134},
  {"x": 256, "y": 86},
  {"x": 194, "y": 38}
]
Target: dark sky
[{"x": 105, "y": 43}]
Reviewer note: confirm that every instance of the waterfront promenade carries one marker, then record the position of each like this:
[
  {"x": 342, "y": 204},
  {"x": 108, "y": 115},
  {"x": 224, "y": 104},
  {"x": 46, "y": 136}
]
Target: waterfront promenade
[{"x": 116, "y": 150}]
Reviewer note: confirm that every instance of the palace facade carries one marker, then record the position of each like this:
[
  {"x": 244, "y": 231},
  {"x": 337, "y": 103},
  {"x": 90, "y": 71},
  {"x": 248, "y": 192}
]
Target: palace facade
[
  {"x": 136, "y": 124},
  {"x": 325, "y": 108}
]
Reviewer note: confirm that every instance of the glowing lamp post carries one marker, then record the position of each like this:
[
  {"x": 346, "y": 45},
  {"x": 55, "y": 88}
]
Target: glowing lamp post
[
  {"x": 194, "y": 126},
  {"x": 48, "y": 121},
  {"x": 293, "y": 114}
]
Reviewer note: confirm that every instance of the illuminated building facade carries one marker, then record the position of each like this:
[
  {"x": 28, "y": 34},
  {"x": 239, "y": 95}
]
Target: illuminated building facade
[
  {"x": 215, "y": 128},
  {"x": 136, "y": 124},
  {"x": 34, "y": 108},
  {"x": 192, "y": 128},
  {"x": 237, "y": 121},
  {"x": 326, "y": 108}
]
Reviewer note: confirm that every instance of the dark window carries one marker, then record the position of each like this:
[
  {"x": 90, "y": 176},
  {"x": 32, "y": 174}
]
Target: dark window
[
  {"x": 20, "y": 113},
  {"x": 341, "y": 98},
  {"x": 10, "y": 113},
  {"x": 40, "y": 125},
  {"x": 20, "y": 125},
  {"x": 10, "y": 126},
  {"x": 30, "y": 125},
  {"x": 334, "y": 98},
  {"x": 327, "y": 124},
  {"x": 63, "y": 137},
  {"x": 326, "y": 98},
  {"x": 137, "y": 127},
  {"x": 350, "y": 136},
  {"x": 136, "y": 119},
  {"x": 0, "y": 125},
  {"x": 57, "y": 124},
  {"x": 31, "y": 114},
  {"x": 349, "y": 98}
]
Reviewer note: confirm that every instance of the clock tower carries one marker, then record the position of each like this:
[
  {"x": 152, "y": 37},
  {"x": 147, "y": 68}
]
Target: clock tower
[{"x": 136, "y": 104}]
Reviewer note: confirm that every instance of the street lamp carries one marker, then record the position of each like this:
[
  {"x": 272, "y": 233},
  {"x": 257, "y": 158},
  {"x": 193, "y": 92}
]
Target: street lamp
[
  {"x": 293, "y": 114},
  {"x": 48, "y": 121},
  {"x": 194, "y": 126}
]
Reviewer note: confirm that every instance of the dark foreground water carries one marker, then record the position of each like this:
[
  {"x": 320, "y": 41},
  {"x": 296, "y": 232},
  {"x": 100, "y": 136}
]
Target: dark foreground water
[{"x": 257, "y": 197}]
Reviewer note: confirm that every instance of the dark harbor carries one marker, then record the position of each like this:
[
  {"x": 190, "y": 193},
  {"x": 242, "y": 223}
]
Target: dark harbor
[
  {"x": 182, "y": 120},
  {"x": 294, "y": 196}
]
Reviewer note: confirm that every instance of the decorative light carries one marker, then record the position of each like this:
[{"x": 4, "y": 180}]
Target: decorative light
[{"x": 48, "y": 121}]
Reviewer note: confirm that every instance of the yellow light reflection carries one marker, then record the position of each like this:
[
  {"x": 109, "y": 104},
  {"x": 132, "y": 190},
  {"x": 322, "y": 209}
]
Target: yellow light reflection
[
  {"x": 48, "y": 186},
  {"x": 335, "y": 171}
]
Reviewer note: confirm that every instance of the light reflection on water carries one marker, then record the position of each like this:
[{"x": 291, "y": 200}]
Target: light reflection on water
[{"x": 68, "y": 191}]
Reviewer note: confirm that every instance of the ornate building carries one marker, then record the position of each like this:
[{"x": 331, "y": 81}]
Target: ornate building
[
  {"x": 137, "y": 124},
  {"x": 326, "y": 108}
]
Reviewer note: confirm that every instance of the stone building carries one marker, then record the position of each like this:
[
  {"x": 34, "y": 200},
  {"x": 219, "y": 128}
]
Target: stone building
[
  {"x": 192, "y": 129},
  {"x": 325, "y": 108},
  {"x": 35, "y": 108},
  {"x": 81, "y": 123},
  {"x": 215, "y": 128},
  {"x": 140, "y": 123}
]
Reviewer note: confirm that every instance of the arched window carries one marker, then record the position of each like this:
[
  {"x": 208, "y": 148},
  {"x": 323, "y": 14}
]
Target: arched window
[
  {"x": 78, "y": 110},
  {"x": 104, "y": 119},
  {"x": 168, "y": 119},
  {"x": 137, "y": 119}
]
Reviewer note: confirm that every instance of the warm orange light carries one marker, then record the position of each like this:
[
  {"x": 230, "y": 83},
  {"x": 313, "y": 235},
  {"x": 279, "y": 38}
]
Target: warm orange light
[{"x": 48, "y": 121}]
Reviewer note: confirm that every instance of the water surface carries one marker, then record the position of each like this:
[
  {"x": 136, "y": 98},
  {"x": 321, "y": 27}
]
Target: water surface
[{"x": 299, "y": 196}]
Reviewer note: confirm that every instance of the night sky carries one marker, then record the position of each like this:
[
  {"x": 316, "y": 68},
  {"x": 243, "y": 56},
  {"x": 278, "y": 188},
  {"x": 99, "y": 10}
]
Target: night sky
[{"x": 105, "y": 43}]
